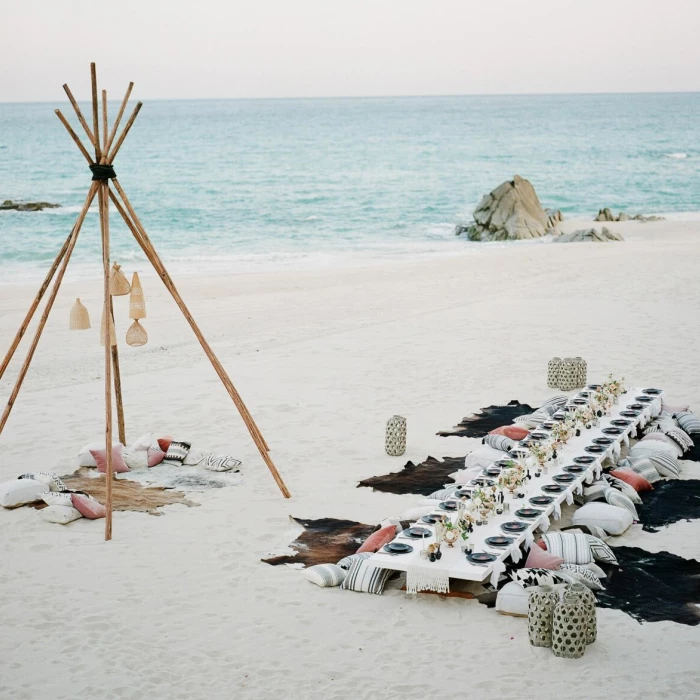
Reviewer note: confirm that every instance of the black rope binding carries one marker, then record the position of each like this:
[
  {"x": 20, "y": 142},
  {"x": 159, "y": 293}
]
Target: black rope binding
[{"x": 102, "y": 172}]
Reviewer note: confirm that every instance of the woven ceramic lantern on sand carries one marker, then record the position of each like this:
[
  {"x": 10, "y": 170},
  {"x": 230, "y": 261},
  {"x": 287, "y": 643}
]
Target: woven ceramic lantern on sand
[
  {"x": 137, "y": 303},
  {"x": 112, "y": 332},
  {"x": 395, "y": 442},
  {"x": 79, "y": 317},
  {"x": 136, "y": 336},
  {"x": 118, "y": 284}
]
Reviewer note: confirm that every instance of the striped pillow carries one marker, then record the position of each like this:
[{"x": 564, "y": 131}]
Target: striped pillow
[
  {"x": 525, "y": 421},
  {"x": 664, "y": 464},
  {"x": 616, "y": 498},
  {"x": 644, "y": 468},
  {"x": 499, "y": 442},
  {"x": 554, "y": 404},
  {"x": 584, "y": 575},
  {"x": 681, "y": 437},
  {"x": 601, "y": 551},
  {"x": 572, "y": 548},
  {"x": 325, "y": 575},
  {"x": 443, "y": 494},
  {"x": 651, "y": 438},
  {"x": 594, "y": 492},
  {"x": 644, "y": 448},
  {"x": 689, "y": 422},
  {"x": 347, "y": 562},
  {"x": 624, "y": 488},
  {"x": 363, "y": 577}
]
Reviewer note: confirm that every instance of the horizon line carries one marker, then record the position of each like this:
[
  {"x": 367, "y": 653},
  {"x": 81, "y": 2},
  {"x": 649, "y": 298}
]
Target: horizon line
[{"x": 383, "y": 97}]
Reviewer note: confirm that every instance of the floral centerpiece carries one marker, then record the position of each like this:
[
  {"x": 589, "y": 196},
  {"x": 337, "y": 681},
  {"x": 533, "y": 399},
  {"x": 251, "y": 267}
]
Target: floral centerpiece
[
  {"x": 484, "y": 501},
  {"x": 541, "y": 452},
  {"x": 512, "y": 478}
]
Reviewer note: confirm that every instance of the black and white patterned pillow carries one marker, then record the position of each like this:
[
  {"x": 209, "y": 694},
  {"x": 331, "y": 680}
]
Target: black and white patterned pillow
[
  {"x": 554, "y": 404},
  {"x": 499, "y": 442},
  {"x": 617, "y": 498},
  {"x": 643, "y": 467},
  {"x": 57, "y": 498},
  {"x": 573, "y": 548},
  {"x": 665, "y": 465},
  {"x": 364, "y": 577},
  {"x": 49, "y": 478},
  {"x": 221, "y": 463},
  {"x": 177, "y": 451},
  {"x": 623, "y": 487},
  {"x": 689, "y": 422},
  {"x": 536, "y": 577},
  {"x": 679, "y": 436},
  {"x": 601, "y": 551},
  {"x": 347, "y": 562},
  {"x": 443, "y": 494},
  {"x": 584, "y": 575},
  {"x": 325, "y": 575}
]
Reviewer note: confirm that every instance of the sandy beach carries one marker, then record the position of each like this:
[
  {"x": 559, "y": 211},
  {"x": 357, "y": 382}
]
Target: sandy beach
[{"x": 180, "y": 606}]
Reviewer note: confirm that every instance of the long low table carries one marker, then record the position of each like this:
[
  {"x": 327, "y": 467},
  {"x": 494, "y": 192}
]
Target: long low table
[{"x": 454, "y": 561}]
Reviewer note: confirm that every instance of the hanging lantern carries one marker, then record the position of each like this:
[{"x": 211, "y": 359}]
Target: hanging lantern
[
  {"x": 118, "y": 284},
  {"x": 112, "y": 332},
  {"x": 136, "y": 335},
  {"x": 79, "y": 317},
  {"x": 137, "y": 303}
]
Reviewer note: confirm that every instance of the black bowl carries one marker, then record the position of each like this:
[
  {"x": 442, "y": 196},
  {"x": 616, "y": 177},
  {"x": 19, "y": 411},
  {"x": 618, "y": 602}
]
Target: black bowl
[
  {"x": 492, "y": 471},
  {"x": 482, "y": 481},
  {"x": 580, "y": 402}
]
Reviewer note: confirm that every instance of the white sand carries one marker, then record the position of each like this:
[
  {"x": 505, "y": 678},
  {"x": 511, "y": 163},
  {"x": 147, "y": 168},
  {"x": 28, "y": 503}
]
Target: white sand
[{"x": 180, "y": 606}]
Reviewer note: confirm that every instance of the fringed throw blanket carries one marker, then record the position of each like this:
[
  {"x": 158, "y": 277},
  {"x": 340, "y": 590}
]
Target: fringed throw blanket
[
  {"x": 669, "y": 502},
  {"x": 488, "y": 419},
  {"x": 324, "y": 541},
  {"x": 422, "y": 479},
  {"x": 420, "y": 578},
  {"x": 651, "y": 587}
]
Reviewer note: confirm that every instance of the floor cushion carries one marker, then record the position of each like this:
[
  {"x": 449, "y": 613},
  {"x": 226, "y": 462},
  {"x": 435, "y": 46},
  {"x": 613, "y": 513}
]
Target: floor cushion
[
  {"x": 623, "y": 487},
  {"x": 600, "y": 550},
  {"x": 528, "y": 577},
  {"x": 542, "y": 559},
  {"x": 416, "y": 513},
  {"x": 514, "y": 432},
  {"x": 443, "y": 494},
  {"x": 645, "y": 447},
  {"x": 347, "y": 562},
  {"x": 584, "y": 575},
  {"x": 572, "y": 548},
  {"x": 85, "y": 458},
  {"x": 118, "y": 463},
  {"x": 616, "y": 498},
  {"x": 51, "y": 479},
  {"x": 689, "y": 422},
  {"x": 614, "y": 519},
  {"x": 512, "y": 599},
  {"x": 665, "y": 439},
  {"x": 325, "y": 575},
  {"x": 499, "y": 442},
  {"x": 21, "y": 491},
  {"x": 644, "y": 467},
  {"x": 57, "y": 498},
  {"x": 177, "y": 451},
  {"x": 88, "y": 507},
  {"x": 60, "y": 514},
  {"x": 554, "y": 404},
  {"x": 483, "y": 456},
  {"x": 363, "y": 577},
  {"x": 378, "y": 539},
  {"x": 629, "y": 476},
  {"x": 664, "y": 464},
  {"x": 135, "y": 459}
]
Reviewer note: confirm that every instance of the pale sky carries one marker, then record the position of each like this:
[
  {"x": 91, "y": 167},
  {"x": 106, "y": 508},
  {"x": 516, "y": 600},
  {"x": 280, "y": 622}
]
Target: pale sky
[{"x": 300, "y": 48}]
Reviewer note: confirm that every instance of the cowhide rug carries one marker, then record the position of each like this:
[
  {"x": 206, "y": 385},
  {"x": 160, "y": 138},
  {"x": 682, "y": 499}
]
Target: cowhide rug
[
  {"x": 324, "y": 541},
  {"x": 693, "y": 454},
  {"x": 670, "y": 501},
  {"x": 422, "y": 479},
  {"x": 488, "y": 419}
]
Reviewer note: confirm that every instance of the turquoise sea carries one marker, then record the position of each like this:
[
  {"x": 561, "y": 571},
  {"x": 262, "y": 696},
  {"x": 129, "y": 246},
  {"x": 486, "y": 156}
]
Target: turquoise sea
[{"x": 239, "y": 185}]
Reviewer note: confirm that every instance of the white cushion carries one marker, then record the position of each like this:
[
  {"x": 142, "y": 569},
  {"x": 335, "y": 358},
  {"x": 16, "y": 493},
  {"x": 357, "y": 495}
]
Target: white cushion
[
  {"x": 416, "y": 513},
  {"x": 645, "y": 447},
  {"x": 483, "y": 456},
  {"x": 583, "y": 574},
  {"x": 596, "y": 570},
  {"x": 57, "y": 499},
  {"x": 512, "y": 599},
  {"x": 625, "y": 488},
  {"x": 194, "y": 456},
  {"x": 613, "y": 519},
  {"x": 21, "y": 491},
  {"x": 135, "y": 458},
  {"x": 364, "y": 577},
  {"x": 325, "y": 575},
  {"x": 51, "y": 479},
  {"x": 144, "y": 443},
  {"x": 60, "y": 514},
  {"x": 619, "y": 499}
]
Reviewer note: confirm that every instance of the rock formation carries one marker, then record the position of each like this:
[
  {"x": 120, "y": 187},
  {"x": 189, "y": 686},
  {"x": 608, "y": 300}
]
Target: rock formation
[
  {"x": 27, "y": 206},
  {"x": 589, "y": 235},
  {"x": 511, "y": 212},
  {"x": 607, "y": 215}
]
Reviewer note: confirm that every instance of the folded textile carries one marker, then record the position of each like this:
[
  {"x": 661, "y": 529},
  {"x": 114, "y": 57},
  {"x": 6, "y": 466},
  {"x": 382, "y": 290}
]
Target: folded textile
[
  {"x": 221, "y": 463},
  {"x": 424, "y": 577}
]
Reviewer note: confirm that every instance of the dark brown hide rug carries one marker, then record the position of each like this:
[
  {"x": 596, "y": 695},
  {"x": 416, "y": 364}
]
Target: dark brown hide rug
[
  {"x": 422, "y": 479},
  {"x": 480, "y": 424},
  {"x": 323, "y": 541},
  {"x": 670, "y": 502},
  {"x": 693, "y": 454}
]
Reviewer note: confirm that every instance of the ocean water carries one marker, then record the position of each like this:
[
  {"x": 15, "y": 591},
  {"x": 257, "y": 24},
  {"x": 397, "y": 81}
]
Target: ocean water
[{"x": 240, "y": 185}]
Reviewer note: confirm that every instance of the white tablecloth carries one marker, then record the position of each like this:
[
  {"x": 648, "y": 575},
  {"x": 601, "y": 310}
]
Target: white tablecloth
[{"x": 454, "y": 561}]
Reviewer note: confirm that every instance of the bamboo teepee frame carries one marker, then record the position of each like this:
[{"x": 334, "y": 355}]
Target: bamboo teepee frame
[{"x": 106, "y": 150}]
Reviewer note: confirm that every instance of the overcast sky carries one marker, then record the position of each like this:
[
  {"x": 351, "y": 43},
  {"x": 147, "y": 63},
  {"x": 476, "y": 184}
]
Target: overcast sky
[{"x": 288, "y": 48}]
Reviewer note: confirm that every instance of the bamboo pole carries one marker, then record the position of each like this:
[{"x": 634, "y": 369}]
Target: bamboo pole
[
  {"x": 37, "y": 300},
  {"x": 120, "y": 114},
  {"x": 144, "y": 242},
  {"x": 104, "y": 227},
  {"x": 74, "y": 136},
  {"x": 79, "y": 114},
  {"x": 122, "y": 136},
  {"x": 95, "y": 113},
  {"x": 105, "y": 132},
  {"x": 49, "y": 305},
  {"x": 117, "y": 383}
]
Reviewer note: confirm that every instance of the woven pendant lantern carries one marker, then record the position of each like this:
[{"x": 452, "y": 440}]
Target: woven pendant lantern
[
  {"x": 137, "y": 303},
  {"x": 112, "y": 332},
  {"x": 136, "y": 335},
  {"x": 118, "y": 284},
  {"x": 79, "y": 317}
]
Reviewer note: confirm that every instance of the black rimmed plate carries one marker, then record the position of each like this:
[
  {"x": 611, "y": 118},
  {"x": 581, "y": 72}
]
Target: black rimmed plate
[
  {"x": 449, "y": 505},
  {"x": 584, "y": 459},
  {"x": 398, "y": 548},
  {"x": 559, "y": 416},
  {"x": 480, "y": 558},
  {"x": 613, "y": 431},
  {"x": 432, "y": 518},
  {"x": 417, "y": 533},
  {"x": 653, "y": 392},
  {"x": 492, "y": 471},
  {"x": 593, "y": 387},
  {"x": 463, "y": 493},
  {"x": 580, "y": 402},
  {"x": 563, "y": 478},
  {"x": 635, "y": 406},
  {"x": 482, "y": 481},
  {"x": 514, "y": 526},
  {"x": 603, "y": 441},
  {"x": 553, "y": 488},
  {"x": 548, "y": 424},
  {"x": 499, "y": 541},
  {"x": 584, "y": 394},
  {"x": 541, "y": 500},
  {"x": 620, "y": 422},
  {"x": 643, "y": 399},
  {"x": 574, "y": 469},
  {"x": 596, "y": 449},
  {"x": 629, "y": 414},
  {"x": 505, "y": 463},
  {"x": 538, "y": 435},
  {"x": 528, "y": 513}
]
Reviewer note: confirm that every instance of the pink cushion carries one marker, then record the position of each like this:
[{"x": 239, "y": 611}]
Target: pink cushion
[
  {"x": 629, "y": 476},
  {"x": 164, "y": 443},
  {"x": 155, "y": 456},
  {"x": 88, "y": 507},
  {"x": 541, "y": 559},
  {"x": 514, "y": 432},
  {"x": 378, "y": 539},
  {"x": 118, "y": 463},
  {"x": 541, "y": 544}
]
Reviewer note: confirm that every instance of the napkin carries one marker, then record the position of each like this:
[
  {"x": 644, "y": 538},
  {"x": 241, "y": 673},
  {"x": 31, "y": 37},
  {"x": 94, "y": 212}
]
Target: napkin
[
  {"x": 515, "y": 554},
  {"x": 569, "y": 497},
  {"x": 557, "y": 510},
  {"x": 544, "y": 523},
  {"x": 498, "y": 568}
]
